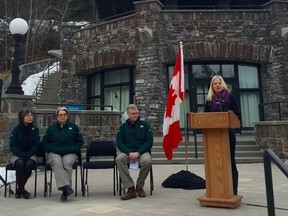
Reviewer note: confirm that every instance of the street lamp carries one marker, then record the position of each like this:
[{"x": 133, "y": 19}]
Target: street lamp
[{"x": 18, "y": 27}]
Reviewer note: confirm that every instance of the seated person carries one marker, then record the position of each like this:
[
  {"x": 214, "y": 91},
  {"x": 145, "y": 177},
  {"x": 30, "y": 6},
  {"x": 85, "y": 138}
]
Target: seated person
[
  {"x": 134, "y": 140},
  {"x": 62, "y": 141},
  {"x": 23, "y": 145}
]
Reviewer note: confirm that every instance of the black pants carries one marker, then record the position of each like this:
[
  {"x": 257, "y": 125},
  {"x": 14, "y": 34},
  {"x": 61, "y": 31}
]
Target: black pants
[
  {"x": 232, "y": 139},
  {"x": 23, "y": 172}
]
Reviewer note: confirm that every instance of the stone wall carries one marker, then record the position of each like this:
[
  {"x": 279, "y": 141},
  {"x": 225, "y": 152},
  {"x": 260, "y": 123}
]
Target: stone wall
[
  {"x": 249, "y": 36},
  {"x": 7, "y": 123},
  {"x": 273, "y": 135},
  {"x": 93, "y": 124}
]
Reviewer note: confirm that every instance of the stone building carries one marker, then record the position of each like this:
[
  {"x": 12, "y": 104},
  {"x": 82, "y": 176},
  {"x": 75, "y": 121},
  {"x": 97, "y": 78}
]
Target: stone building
[{"x": 130, "y": 59}]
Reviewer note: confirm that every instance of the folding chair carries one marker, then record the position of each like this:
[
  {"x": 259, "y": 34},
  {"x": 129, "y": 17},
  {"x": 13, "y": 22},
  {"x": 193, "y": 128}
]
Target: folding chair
[
  {"x": 75, "y": 167},
  {"x": 101, "y": 155},
  {"x": 40, "y": 162},
  {"x": 10, "y": 167},
  {"x": 6, "y": 184}
]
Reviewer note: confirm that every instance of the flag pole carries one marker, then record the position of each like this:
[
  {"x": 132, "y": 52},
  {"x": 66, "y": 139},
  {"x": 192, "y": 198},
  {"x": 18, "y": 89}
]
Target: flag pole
[{"x": 185, "y": 122}]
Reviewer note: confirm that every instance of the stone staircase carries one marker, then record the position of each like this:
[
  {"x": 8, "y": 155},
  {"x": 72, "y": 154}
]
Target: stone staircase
[
  {"x": 246, "y": 151},
  {"x": 48, "y": 92}
]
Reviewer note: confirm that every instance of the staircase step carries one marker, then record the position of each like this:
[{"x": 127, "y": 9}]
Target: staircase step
[
  {"x": 48, "y": 93},
  {"x": 200, "y": 148},
  {"x": 246, "y": 151},
  {"x": 201, "y": 154},
  {"x": 241, "y": 160}
]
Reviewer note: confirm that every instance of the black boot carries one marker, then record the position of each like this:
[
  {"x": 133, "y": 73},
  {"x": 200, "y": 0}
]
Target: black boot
[
  {"x": 18, "y": 194},
  {"x": 235, "y": 182}
]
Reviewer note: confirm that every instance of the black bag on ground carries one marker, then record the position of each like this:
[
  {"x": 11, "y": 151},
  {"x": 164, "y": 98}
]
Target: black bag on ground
[{"x": 184, "y": 179}]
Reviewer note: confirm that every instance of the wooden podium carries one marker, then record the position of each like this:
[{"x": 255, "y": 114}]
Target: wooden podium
[{"x": 218, "y": 172}]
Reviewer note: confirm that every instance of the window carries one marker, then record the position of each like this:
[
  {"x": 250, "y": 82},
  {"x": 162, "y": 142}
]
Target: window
[
  {"x": 242, "y": 81},
  {"x": 210, "y": 70},
  {"x": 249, "y": 94},
  {"x": 112, "y": 88}
]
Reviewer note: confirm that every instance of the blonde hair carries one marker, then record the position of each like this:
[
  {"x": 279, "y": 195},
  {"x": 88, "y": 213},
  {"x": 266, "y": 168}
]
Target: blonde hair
[
  {"x": 62, "y": 108},
  {"x": 211, "y": 91}
]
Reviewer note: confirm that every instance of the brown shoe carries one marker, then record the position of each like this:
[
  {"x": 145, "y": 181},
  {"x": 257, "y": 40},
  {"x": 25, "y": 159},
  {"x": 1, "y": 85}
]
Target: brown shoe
[
  {"x": 140, "y": 191},
  {"x": 131, "y": 193}
]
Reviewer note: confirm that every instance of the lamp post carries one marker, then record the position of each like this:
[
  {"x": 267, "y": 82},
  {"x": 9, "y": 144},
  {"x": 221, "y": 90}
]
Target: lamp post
[{"x": 18, "y": 27}]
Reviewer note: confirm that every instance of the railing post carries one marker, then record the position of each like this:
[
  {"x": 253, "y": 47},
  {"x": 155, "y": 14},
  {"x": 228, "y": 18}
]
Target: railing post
[
  {"x": 187, "y": 126},
  {"x": 195, "y": 142},
  {"x": 279, "y": 111},
  {"x": 269, "y": 185}
]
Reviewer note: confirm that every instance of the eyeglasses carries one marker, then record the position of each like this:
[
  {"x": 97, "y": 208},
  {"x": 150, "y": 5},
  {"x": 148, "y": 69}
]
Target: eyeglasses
[
  {"x": 136, "y": 113},
  {"x": 61, "y": 115}
]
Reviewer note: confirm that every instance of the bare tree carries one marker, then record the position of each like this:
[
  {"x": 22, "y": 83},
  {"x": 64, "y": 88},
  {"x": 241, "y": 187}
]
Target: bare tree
[{"x": 29, "y": 21}]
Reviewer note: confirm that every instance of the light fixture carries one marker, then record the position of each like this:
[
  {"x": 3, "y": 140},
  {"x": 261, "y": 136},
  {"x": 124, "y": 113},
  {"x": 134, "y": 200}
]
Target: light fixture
[{"x": 18, "y": 27}]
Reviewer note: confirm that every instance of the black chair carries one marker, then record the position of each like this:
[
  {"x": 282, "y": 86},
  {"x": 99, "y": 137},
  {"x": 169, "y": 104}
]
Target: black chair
[
  {"x": 75, "y": 167},
  {"x": 10, "y": 167},
  {"x": 40, "y": 162},
  {"x": 151, "y": 182},
  {"x": 48, "y": 185},
  {"x": 6, "y": 184},
  {"x": 101, "y": 155}
]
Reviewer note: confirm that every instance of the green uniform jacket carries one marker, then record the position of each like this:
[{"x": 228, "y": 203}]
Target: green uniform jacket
[
  {"x": 62, "y": 141},
  {"x": 17, "y": 136},
  {"x": 135, "y": 138}
]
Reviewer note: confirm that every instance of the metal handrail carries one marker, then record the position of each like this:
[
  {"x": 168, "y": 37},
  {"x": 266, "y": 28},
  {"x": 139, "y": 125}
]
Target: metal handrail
[
  {"x": 48, "y": 67},
  {"x": 268, "y": 156}
]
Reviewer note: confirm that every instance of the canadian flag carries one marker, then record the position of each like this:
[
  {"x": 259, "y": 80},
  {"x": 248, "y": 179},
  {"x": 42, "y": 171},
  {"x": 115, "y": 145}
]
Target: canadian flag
[{"x": 171, "y": 125}]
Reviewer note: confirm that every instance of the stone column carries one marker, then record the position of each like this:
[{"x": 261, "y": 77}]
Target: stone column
[
  {"x": 276, "y": 88},
  {"x": 72, "y": 88},
  {"x": 12, "y": 103},
  {"x": 150, "y": 73}
]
